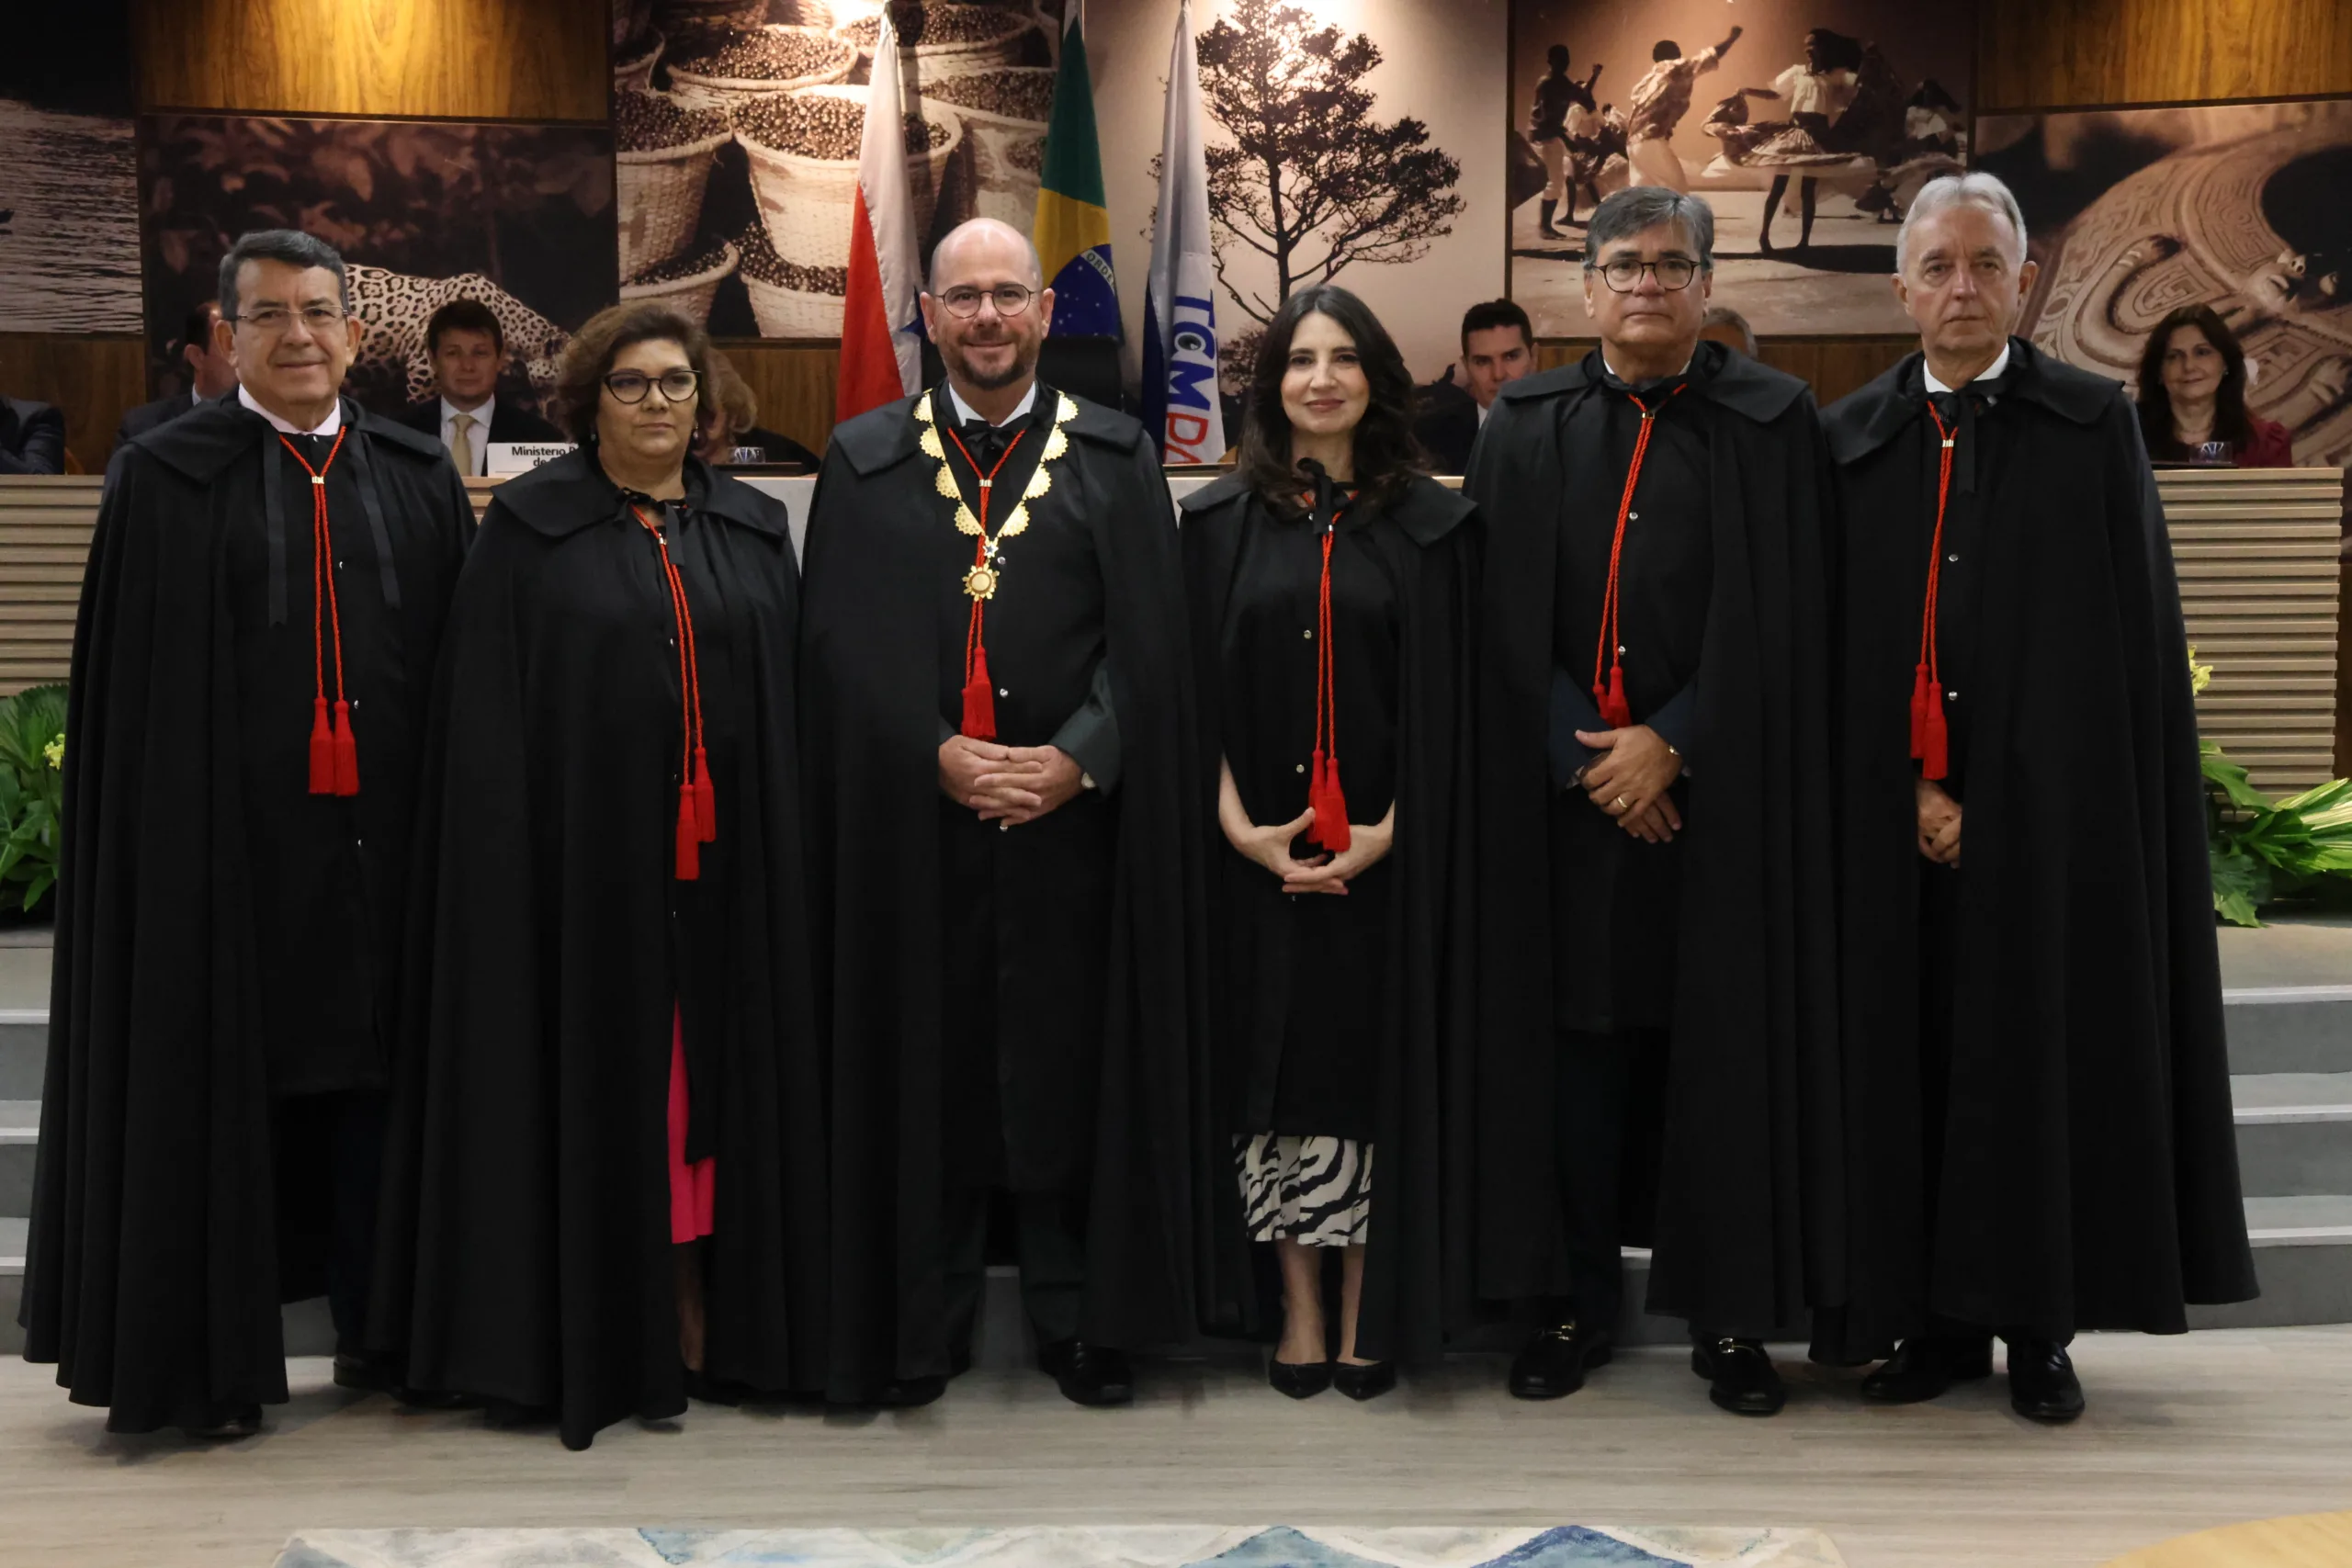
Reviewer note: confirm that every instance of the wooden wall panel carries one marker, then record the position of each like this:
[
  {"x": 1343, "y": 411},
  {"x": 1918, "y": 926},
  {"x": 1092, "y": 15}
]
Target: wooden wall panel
[
  {"x": 2050, "y": 53},
  {"x": 95, "y": 379},
  {"x": 45, "y": 526},
  {"x": 450, "y": 59},
  {"x": 794, "y": 383}
]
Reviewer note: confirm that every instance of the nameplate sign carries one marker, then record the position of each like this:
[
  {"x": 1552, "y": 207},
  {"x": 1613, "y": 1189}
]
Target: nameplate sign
[{"x": 522, "y": 457}]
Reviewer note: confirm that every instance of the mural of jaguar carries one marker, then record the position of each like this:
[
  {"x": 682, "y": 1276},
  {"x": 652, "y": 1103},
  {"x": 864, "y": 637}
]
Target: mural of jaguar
[{"x": 391, "y": 370}]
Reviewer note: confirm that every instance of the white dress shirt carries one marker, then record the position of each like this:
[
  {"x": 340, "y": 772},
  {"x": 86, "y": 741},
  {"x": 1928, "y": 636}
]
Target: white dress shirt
[
  {"x": 965, "y": 410},
  {"x": 332, "y": 422},
  {"x": 1985, "y": 375},
  {"x": 478, "y": 437}
]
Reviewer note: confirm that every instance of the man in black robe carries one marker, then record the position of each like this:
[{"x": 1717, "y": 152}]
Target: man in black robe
[
  {"x": 1656, "y": 1012},
  {"x": 241, "y": 763},
  {"x": 2038, "y": 1094},
  {"x": 1005, "y": 815}
]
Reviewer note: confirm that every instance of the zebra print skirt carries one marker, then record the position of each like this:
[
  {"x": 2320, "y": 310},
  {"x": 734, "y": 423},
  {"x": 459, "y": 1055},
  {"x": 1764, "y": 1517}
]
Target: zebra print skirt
[{"x": 1313, "y": 1190}]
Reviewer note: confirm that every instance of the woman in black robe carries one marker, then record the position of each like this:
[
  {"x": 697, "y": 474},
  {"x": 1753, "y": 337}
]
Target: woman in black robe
[
  {"x": 1330, "y": 586},
  {"x": 604, "y": 1186}
]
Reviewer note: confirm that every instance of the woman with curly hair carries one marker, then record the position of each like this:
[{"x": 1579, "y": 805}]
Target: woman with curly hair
[
  {"x": 605, "y": 1191},
  {"x": 1331, "y": 582}
]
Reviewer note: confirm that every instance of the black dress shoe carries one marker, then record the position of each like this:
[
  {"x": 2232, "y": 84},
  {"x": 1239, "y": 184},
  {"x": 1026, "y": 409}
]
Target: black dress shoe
[
  {"x": 701, "y": 1385},
  {"x": 1740, "y": 1377},
  {"x": 2043, "y": 1385},
  {"x": 245, "y": 1422},
  {"x": 1553, "y": 1364},
  {"x": 1368, "y": 1381},
  {"x": 909, "y": 1393},
  {"x": 1300, "y": 1380},
  {"x": 364, "y": 1371},
  {"x": 1923, "y": 1367},
  {"x": 1089, "y": 1374}
]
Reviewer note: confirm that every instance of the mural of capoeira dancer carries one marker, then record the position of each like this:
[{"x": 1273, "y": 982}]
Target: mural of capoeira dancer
[
  {"x": 1660, "y": 100},
  {"x": 1563, "y": 124}
]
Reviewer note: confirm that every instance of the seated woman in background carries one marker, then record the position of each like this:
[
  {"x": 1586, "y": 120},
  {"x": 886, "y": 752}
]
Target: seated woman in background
[
  {"x": 604, "y": 1190},
  {"x": 730, "y": 423},
  {"x": 1332, "y": 586},
  {"x": 2192, "y": 398}
]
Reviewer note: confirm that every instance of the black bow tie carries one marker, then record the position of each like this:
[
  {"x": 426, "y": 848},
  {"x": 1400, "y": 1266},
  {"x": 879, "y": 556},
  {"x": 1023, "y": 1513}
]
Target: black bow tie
[{"x": 987, "y": 442}]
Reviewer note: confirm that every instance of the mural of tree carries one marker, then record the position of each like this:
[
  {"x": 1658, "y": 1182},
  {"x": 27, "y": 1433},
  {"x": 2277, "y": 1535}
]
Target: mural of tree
[{"x": 1312, "y": 183}]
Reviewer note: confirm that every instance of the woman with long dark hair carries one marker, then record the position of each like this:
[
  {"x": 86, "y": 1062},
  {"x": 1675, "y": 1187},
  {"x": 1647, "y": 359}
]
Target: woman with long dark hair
[
  {"x": 1331, "y": 584},
  {"x": 2193, "y": 397}
]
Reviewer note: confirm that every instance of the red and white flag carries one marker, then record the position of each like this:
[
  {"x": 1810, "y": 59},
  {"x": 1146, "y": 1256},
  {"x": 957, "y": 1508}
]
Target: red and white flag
[{"x": 881, "y": 354}]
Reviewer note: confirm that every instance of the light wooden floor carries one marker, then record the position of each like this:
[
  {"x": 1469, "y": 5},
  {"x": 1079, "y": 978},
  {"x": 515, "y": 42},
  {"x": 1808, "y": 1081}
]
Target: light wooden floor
[{"x": 2183, "y": 1434}]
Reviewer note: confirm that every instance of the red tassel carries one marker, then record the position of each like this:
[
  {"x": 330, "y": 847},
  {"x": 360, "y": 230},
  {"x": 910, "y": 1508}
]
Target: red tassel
[
  {"x": 689, "y": 836},
  {"x": 1615, "y": 711},
  {"x": 979, "y": 699},
  {"x": 322, "y": 749},
  {"x": 1935, "y": 756},
  {"x": 1919, "y": 712},
  {"x": 706, "y": 799},
  {"x": 346, "y": 752},
  {"x": 1332, "y": 809}
]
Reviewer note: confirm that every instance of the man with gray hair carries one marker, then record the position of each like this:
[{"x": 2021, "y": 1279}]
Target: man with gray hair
[
  {"x": 996, "y": 726},
  {"x": 2039, "y": 1094},
  {"x": 1658, "y": 1059},
  {"x": 259, "y": 621}
]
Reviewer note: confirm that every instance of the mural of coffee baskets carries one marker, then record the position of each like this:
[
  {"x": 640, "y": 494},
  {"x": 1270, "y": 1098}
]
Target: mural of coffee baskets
[
  {"x": 728, "y": 69},
  {"x": 1005, "y": 113},
  {"x": 633, "y": 63},
  {"x": 825, "y": 14},
  {"x": 803, "y": 150},
  {"x": 943, "y": 40},
  {"x": 677, "y": 17},
  {"x": 690, "y": 283},
  {"x": 789, "y": 299},
  {"x": 662, "y": 167}
]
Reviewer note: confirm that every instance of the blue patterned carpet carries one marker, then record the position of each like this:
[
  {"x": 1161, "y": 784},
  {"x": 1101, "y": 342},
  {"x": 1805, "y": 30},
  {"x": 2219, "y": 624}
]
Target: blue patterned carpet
[{"x": 1041, "y": 1546}]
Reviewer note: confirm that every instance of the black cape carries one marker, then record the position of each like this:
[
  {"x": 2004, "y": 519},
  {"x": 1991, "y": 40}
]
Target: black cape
[
  {"x": 881, "y": 552},
  {"x": 1427, "y": 543},
  {"x": 526, "y": 1251},
  {"x": 2090, "y": 1173},
  {"x": 223, "y": 937},
  {"x": 1749, "y": 1228}
]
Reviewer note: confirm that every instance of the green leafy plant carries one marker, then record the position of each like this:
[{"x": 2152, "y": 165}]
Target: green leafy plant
[
  {"x": 2264, "y": 850},
  {"x": 32, "y": 792}
]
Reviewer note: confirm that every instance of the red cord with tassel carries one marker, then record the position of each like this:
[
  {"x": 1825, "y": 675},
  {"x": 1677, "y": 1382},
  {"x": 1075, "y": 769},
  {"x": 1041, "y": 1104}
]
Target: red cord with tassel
[
  {"x": 1930, "y": 736},
  {"x": 1608, "y": 661},
  {"x": 697, "y": 798},
  {"x": 980, "y": 694},
  {"x": 1330, "y": 827},
  {"x": 334, "y": 750}
]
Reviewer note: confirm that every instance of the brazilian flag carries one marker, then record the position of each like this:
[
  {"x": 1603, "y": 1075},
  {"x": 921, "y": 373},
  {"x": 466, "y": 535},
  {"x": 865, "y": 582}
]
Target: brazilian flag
[{"x": 1073, "y": 232}]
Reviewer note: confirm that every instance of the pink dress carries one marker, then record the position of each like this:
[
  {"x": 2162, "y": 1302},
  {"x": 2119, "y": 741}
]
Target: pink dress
[{"x": 691, "y": 1186}]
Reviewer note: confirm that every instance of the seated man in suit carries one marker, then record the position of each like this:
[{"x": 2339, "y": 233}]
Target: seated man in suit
[
  {"x": 32, "y": 438},
  {"x": 468, "y": 348},
  {"x": 1498, "y": 345},
  {"x": 211, "y": 373}
]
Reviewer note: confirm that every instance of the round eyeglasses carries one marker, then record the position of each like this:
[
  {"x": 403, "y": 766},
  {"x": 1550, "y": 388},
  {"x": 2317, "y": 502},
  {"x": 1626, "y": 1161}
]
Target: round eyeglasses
[
  {"x": 1011, "y": 299},
  {"x": 630, "y": 386},
  {"x": 1624, "y": 274}
]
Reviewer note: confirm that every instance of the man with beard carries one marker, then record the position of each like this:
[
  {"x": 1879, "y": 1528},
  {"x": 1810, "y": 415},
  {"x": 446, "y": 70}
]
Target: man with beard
[
  {"x": 1005, "y": 815},
  {"x": 259, "y": 621},
  {"x": 2038, "y": 1087},
  {"x": 1656, "y": 1008}
]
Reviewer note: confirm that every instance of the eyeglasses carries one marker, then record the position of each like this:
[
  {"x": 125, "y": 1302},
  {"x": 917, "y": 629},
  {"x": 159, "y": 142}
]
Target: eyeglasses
[
  {"x": 1624, "y": 274},
  {"x": 276, "y": 319},
  {"x": 1012, "y": 299},
  {"x": 630, "y": 386}
]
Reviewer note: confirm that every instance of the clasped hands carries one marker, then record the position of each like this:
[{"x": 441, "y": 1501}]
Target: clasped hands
[
  {"x": 1939, "y": 822},
  {"x": 1006, "y": 784},
  {"x": 1630, "y": 779},
  {"x": 1368, "y": 843}
]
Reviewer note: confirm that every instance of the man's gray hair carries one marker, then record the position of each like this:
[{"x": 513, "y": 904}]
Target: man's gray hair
[
  {"x": 1724, "y": 316},
  {"x": 289, "y": 245},
  {"x": 1985, "y": 192},
  {"x": 1630, "y": 212}
]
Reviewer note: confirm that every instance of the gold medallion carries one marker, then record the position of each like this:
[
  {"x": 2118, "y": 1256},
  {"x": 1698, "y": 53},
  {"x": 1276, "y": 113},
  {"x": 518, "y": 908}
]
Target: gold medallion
[{"x": 980, "y": 582}]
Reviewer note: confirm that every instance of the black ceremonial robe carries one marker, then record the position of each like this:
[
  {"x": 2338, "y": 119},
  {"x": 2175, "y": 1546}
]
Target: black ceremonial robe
[
  {"x": 1746, "y": 1233},
  {"x": 1391, "y": 961},
  {"x": 527, "y": 1248},
  {"x": 226, "y": 941},
  {"x": 1092, "y": 1004},
  {"x": 2056, "y": 999}
]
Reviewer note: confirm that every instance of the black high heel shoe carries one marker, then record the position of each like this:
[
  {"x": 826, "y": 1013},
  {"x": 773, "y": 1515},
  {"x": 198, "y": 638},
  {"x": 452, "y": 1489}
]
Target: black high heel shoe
[
  {"x": 1369, "y": 1381},
  {"x": 1299, "y": 1380}
]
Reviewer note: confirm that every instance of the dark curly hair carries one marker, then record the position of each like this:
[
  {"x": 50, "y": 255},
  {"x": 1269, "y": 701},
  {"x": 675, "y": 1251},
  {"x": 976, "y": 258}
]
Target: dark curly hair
[
  {"x": 588, "y": 358},
  {"x": 1387, "y": 457},
  {"x": 2229, "y": 422}
]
